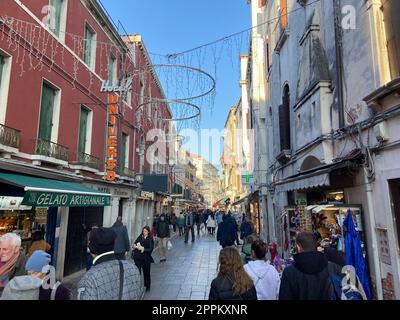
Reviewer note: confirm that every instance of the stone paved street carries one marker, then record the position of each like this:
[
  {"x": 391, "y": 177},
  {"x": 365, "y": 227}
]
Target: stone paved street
[
  {"x": 188, "y": 271},
  {"x": 186, "y": 275}
]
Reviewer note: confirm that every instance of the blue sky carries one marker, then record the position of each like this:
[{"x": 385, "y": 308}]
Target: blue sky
[{"x": 171, "y": 26}]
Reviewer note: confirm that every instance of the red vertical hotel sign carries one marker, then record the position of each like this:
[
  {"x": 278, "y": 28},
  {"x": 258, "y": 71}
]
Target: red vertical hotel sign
[{"x": 111, "y": 163}]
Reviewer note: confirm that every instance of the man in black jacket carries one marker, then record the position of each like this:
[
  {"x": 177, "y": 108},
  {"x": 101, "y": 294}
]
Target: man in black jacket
[
  {"x": 309, "y": 277},
  {"x": 163, "y": 233}
]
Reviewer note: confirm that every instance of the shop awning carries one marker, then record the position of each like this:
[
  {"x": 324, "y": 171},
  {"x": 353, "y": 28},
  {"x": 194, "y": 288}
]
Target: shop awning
[
  {"x": 220, "y": 202},
  {"x": 241, "y": 200},
  {"x": 40, "y": 192}
]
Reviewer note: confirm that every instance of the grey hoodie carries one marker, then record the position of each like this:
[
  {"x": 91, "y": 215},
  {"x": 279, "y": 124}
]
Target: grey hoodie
[{"x": 22, "y": 288}]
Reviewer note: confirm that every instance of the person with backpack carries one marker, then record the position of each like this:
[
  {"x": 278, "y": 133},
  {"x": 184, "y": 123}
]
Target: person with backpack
[
  {"x": 109, "y": 278},
  {"x": 232, "y": 282},
  {"x": 246, "y": 255},
  {"x": 142, "y": 249},
  {"x": 265, "y": 277},
  {"x": 310, "y": 276}
]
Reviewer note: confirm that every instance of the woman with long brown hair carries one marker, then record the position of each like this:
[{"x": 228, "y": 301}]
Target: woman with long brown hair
[{"x": 232, "y": 282}]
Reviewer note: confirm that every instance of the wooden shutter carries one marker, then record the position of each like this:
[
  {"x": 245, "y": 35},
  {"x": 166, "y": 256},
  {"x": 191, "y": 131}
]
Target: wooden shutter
[
  {"x": 83, "y": 123},
  {"x": 57, "y": 6},
  {"x": 88, "y": 46},
  {"x": 46, "y": 112},
  {"x": 2, "y": 62},
  {"x": 123, "y": 151},
  {"x": 284, "y": 14},
  {"x": 284, "y": 126}
]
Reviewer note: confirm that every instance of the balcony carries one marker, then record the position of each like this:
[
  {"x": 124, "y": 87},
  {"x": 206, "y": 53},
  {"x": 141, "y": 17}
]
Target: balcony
[
  {"x": 9, "y": 139},
  {"x": 126, "y": 172},
  {"x": 87, "y": 160},
  {"x": 51, "y": 152}
]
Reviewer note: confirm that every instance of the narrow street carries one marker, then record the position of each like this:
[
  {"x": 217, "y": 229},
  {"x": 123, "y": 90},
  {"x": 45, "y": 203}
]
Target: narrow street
[
  {"x": 188, "y": 271},
  {"x": 186, "y": 275}
]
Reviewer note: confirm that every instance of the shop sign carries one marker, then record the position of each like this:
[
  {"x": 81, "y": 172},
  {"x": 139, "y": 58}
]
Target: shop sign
[
  {"x": 51, "y": 199},
  {"x": 123, "y": 87},
  {"x": 247, "y": 179},
  {"x": 120, "y": 192},
  {"x": 12, "y": 203},
  {"x": 147, "y": 195},
  {"x": 111, "y": 162},
  {"x": 104, "y": 189}
]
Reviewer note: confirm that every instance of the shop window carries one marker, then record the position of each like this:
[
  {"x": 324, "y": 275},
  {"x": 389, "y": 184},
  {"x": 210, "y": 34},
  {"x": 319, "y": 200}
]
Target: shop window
[
  {"x": 392, "y": 28},
  {"x": 89, "y": 55}
]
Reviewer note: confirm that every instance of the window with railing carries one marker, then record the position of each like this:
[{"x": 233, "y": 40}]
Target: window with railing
[
  {"x": 52, "y": 150},
  {"x": 47, "y": 119}
]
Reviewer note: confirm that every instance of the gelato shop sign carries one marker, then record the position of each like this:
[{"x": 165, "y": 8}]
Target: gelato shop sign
[{"x": 51, "y": 199}]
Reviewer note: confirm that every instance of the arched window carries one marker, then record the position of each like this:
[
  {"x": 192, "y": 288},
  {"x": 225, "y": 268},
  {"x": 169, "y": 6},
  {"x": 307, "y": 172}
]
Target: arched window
[{"x": 284, "y": 120}]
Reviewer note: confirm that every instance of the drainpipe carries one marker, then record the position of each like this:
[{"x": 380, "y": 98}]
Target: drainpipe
[
  {"x": 339, "y": 58},
  {"x": 371, "y": 216}
]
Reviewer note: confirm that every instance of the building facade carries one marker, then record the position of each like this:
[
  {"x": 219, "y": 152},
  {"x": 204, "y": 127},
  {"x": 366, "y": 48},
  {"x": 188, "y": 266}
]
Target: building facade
[
  {"x": 324, "y": 83},
  {"x": 55, "y": 119}
]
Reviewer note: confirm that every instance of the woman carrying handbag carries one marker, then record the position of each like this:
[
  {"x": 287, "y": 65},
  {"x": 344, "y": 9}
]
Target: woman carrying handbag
[{"x": 141, "y": 254}]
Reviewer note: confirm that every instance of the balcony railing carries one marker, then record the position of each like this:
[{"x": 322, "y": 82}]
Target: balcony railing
[
  {"x": 127, "y": 173},
  {"x": 51, "y": 149},
  {"x": 88, "y": 161},
  {"x": 9, "y": 137}
]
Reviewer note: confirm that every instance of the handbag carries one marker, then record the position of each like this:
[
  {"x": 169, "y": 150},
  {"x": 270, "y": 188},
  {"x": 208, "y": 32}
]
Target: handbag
[{"x": 169, "y": 245}]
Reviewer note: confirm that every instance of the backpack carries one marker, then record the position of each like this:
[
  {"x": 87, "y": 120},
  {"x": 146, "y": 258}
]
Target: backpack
[{"x": 339, "y": 290}]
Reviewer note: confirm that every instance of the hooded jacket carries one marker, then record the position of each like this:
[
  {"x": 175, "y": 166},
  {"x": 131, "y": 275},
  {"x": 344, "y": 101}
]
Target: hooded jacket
[
  {"x": 22, "y": 288},
  {"x": 266, "y": 279},
  {"x": 308, "y": 278}
]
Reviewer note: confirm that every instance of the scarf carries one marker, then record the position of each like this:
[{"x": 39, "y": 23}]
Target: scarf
[{"x": 9, "y": 265}]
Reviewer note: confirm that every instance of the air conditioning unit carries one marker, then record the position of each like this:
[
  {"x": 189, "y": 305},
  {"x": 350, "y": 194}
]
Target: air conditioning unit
[{"x": 381, "y": 132}]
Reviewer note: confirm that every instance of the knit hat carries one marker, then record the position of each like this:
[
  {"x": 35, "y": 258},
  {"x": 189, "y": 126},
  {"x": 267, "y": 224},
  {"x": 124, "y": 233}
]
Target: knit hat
[
  {"x": 37, "y": 261},
  {"x": 101, "y": 240}
]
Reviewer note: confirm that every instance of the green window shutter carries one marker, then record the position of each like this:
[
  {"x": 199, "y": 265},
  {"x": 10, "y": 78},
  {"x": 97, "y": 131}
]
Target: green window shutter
[
  {"x": 46, "y": 112},
  {"x": 88, "y": 46},
  {"x": 57, "y": 5},
  {"x": 83, "y": 130},
  {"x": 111, "y": 66},
  {"x": 123, "y": 151},
  {"x": 2, "y": 62}
]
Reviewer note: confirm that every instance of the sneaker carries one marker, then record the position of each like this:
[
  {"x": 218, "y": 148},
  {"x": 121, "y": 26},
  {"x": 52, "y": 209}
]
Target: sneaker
[{"x": 163, "y": 260}]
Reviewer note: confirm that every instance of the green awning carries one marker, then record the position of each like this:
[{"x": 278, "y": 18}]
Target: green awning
[{"x": 41, "y": 192}]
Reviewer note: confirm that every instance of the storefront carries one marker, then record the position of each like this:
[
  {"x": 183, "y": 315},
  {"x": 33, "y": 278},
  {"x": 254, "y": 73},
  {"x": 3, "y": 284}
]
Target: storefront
[{"x": 59, "y": 208}]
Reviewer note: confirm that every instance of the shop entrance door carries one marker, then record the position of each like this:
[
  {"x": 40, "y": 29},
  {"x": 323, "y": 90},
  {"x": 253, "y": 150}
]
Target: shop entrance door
[
  {"x": 75, "y": 251},
  {"x": 395, "y": 194}
]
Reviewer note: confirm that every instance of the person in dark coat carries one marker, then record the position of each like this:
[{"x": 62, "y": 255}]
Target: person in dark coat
[
  {"x": 189, "y": 225},
  {"x": 331, "y": 253},
  {"x": 163, "y": 233},
  {"x": 226, "y": 234},
  {"x": 246, "y": 229},
  {"x": 143, "y": 247},
  {"x": 309, "y": 276},
  {"x": 122, "y": 244},
  {"x": 233, "y": 221},
  {"x": 173, "y": 221},
  {"x": 232, "y": 282}
]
